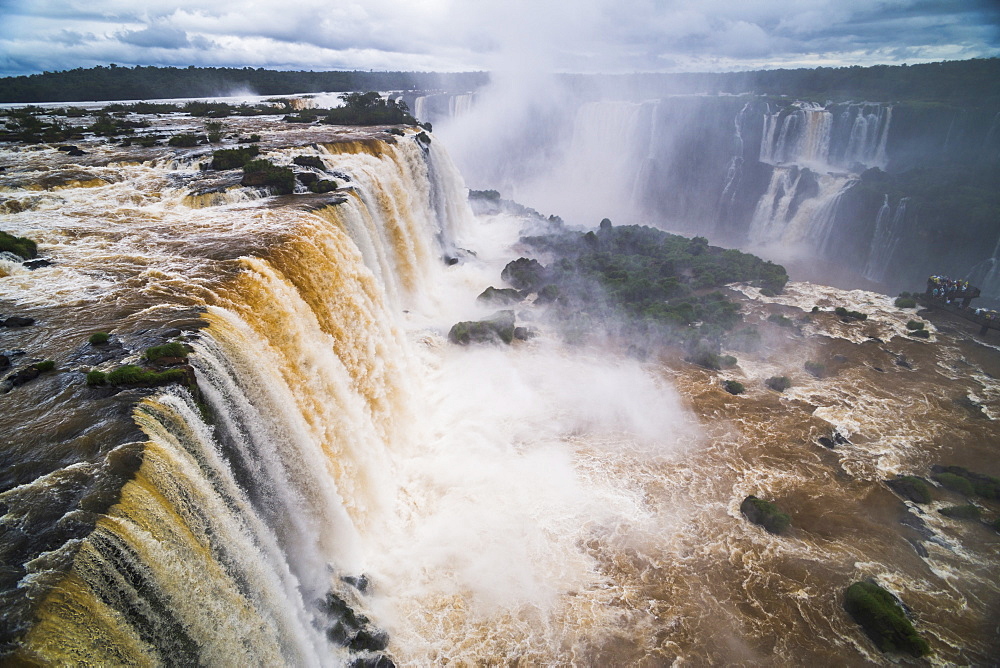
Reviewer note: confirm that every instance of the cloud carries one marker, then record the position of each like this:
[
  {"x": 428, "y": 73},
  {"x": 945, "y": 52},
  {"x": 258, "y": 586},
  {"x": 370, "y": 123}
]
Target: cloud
[{"x": 585, "y": 36}]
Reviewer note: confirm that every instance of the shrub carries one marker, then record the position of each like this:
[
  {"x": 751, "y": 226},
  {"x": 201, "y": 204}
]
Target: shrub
[
  {"x": 309, "y": 161},
  {"x": 322, "y": 186},
  {"x": 233, "y": 158},
  {"x": 484, "y": 194},
  {"x": 254, "y": 139},
  {"x": 500, "y": 295},
  {"x": 914, "y": 324},
  {"x": 727, "y": 361},
  {"x": 985, "y": 486},
  {"x": 172, "y": 349},
  {"x": 214, "y": 131},
  {"x": 882, "y": 619},
  {"x": 966, "y": 512},
  {"x": 264, "y": 173},
  {"x": 95, "y": 378},
  {"x": 911, "y": 487},
  {"x": 20, "y": 246},
  {"x": 920, "y": 334},
  {"x": 733, "y": 387},
  {"x": 955, "y": 483},
  {"x": 47, "y": 365},
  {"x": 524, "y": 274},
  {"x": 97, "y": 338},
  {"x": 184, "y": 140},
  {"x": 778, "y": 383},
  {"x": 817, "y": 369},
  {"x": 765, "y": 513},
  {"x": 905, "y": 301}
]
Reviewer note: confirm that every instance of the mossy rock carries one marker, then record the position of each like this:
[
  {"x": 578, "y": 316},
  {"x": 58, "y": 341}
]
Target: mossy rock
[
  {"x": 914, "y": 325},
  {"x": 172, "y": 349},
  {"x": 309, "y": 161},
  {"x": 20, "y": 246},
  {"x": 500, "y": 296},
  {"x": 778, "y": 383},
  {"x": 264, "y": 173},
  {"x": 850, "y": 315},
  {"x": 905, "y": 302},
  {"x": 883, "y": 620},
  {"x": 911, "y": 487},
  {"x": 733, "y": 387},
  {"x": 986, "y": 486},
  {"x": 817, "y": 369},
  {"x": 955, "y": 483},
  {"x": 765, "y": 513},
  {"x": 322, "y": 186},
  {"x": 780, "y": 320},
  {"x": 919, "y": 333},
  {"x": 98, "y": 338},
  {"x": 498, "y": 327},
  {"x": 965, "y": 512},
  {"x": 524, "y": 274},
  {"x": 137, "y": 376},
  {"x": 234, "y": 158}
]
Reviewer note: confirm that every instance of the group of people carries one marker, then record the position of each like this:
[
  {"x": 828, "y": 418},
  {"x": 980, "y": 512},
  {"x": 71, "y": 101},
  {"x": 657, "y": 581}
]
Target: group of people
[{"x": 947, "y": 288}]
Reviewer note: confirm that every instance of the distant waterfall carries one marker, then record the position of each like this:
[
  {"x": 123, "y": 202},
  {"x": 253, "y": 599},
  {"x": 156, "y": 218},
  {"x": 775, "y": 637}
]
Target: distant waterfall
[
  {"x": 734, "y": 172},
  {"x": 986, "y": 274},
  {"x": 888, "y": 232},
  {"x": 810, "y": 134}
]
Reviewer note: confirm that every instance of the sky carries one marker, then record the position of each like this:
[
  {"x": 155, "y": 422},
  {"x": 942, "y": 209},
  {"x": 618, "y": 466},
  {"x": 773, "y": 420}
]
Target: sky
[{"x": 464, "y": 35}]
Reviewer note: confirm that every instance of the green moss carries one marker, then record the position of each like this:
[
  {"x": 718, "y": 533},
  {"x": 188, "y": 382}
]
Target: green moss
[
  {"x": 765, "y": 513},
  {"x": 817, "y": 369},
  {"x": 905, "y": 301},
  {"x": 134, "y": 375},
  {"x": 778, "y": 383},
  {"x": 172, "y": 349},
  {"x": 955, "y": 483},
  {"x": 883, "y": 620},
  {"x": 184, "y": 140},
  {"x": 309, "y": 161},
  {"x": 850, "y": 315},
  {"x": 733, "y": 387},
  {"x": 95, "y": 378},
  {"x": 20, "y": 246},
  {"x": 986, "y": 486},
  {"x": 911, "y": 487},
  {"x": 322, "y": 186},
  {"x": 47, "y": 365},
  {"x": 234, "y": 158},
  {"x": 500, "y": 296},
  {"x": 263, "y": 173},
  {"x": 97, "y": 338},
  {"x": 964, "y": 512},
  {"x": 914, "y": 325},
  {"x": 780, "y": 320},
  {"x": 500, "y": 326}
]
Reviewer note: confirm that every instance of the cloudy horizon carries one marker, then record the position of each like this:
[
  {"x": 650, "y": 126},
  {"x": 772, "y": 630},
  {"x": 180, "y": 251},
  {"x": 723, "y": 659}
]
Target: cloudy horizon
[{"x": 449, "y": 36}]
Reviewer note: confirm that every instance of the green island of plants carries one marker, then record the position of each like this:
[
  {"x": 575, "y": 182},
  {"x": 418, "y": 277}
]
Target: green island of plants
[
  {"x": 172, "y": 349},
  {"x": 883, "y": 620},
  {"x": 964, "y": 512},
  {"x": 968, "y": 482},
  {"x": 263, "y": 172},
  {"x": 765, "y": 513},
  {"x": 98, "y": 338},
  {"x": 778, "y": 383},
  {"x": 850, "y": 315},
  {"x": 233, "y": 158},
  {"x": 133, "y": 375},
  {"x": 914, "y": 325},
  {"x": 905, "y": 300},
  {"x": 641, "y": 284},
  {"x": 911, "y": 487},
  {"x": 733, "y": 387},
  {"x": 498, "y": 327}
]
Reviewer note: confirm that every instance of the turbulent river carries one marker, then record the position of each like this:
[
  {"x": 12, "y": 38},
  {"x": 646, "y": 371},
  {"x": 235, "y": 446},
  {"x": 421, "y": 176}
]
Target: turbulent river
[{"x": 347, "y": 487}]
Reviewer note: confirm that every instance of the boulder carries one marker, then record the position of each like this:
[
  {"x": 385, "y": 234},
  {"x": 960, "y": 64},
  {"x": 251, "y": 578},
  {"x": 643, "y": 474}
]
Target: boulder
[
  {"x": 881, "y": 616},
  {"x": 4, "y": 361},
  {"x": 500, "y": 296},
  {"x": 765, "y": 514},
  {"x": 18, "y": 321},
  {"x": 911, "y": 487},
  {"x": 498, "y": 327},
  {"x": 524, "y": 274},
  {"x": 36, "y": 264}
]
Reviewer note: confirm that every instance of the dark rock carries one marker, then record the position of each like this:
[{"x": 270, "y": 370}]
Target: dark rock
[
  {"x": 883, "y": 619},
  {"x": 902, "y": 361},
  {"x": 171, "y": 333},
  {"x": 879, "y": 369},
  {"x": 22, "y": 376},
  {"x": 765, "y": 514},
  {"x": 524, "y": 274},
  {"x": 500, "y": 296},
  {"x": 911, "y": 487},
  {"x": 498, "y": 327},
  {"x": 450, "y": 260},
  {"x": 361, "y": 582},
  {"x": 840, "y": 358},
  {"x": 305, "y": 178},
  {"x": 523, "y": 333},
  {"x": 76, "y": 151},
  {"x": 4, "y": 361},
  {"x": 18, "y": 321},
  {"x": 839, "y": 439},
  {"x": 36, "y": 264},
  {"x": 919, "y": 548},
  {"x": 826, "y": 442},
  {"x": 380, "y": 661},
  {"x": 66, "y": 148}
]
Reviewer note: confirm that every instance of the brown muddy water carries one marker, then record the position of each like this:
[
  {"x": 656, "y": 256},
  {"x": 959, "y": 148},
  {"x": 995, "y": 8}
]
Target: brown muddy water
[{"x": 541, "y": 504}]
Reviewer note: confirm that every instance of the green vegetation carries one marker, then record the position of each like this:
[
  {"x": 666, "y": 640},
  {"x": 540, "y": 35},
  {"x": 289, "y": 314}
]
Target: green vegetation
[
  {"x": 911, "y": 487},
  {"x": 882, "y": 618},
  {"x": 98, "y": 338},
  {"x": 850, "y": 315},
  {"x": 322, "y": 186},
  {"x": 262, "y": 172},
  {"x": 213, "y": 129},
  {"x": 19, "y": 246},
  {"x": 184, "y": 140},
  {"x": 233, "y": 158},
  {"x": 492, "y": 195},
  {"x": 985, "y": 486},
  {"x": 499, "y": 326},
  {"x": 780, "y": 320},
  {"x": 253, "y": 139},
  {"x": 778, "y": 383},
  {"x": 765, "y": 513},
  {"x": 95, "y": 378},
  {"x": 817, "y": 369},
  {"x": 309, "y": 161},
  {"x": 965, "y": 512},
  {"x": 172, "y": 349},
  {"x": 47, "y": 365},
  {"x": 500, "y": 296},
  {"x": 369, "y": 109},
  {"x": 733, "y": 387},
  {"x": 905, "y": 300},
  {"x": 134, "y": 375},
  {"x": 920, "y": 333},
  {"x": 914, "y": 325},
  {"x": 955, "y": 483}
]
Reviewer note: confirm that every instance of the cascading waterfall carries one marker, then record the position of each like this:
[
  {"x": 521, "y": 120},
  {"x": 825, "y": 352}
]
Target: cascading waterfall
[
  {"x": 889, "y": 228},
  {"x": 734, "y": 172},
  {"x": 234, "y": 532}
]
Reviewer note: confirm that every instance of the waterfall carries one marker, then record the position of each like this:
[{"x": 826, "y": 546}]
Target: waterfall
[
  {"x": 257, "y": 497},
  {"x": 889, "y": 228},
  {"x": 734, "y": 171},
  {"x": 986, "y": 274},
  {"x": 803, "y": 138},
  {"x": 808, "y": 134}
]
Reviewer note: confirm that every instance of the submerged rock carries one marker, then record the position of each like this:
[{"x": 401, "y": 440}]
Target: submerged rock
[
  {"x": 911, "y": 487},
  {"x": 881, "y": 616},
  {"x": 765, "y": 514},
  {"x": 18, "y": 321}
]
